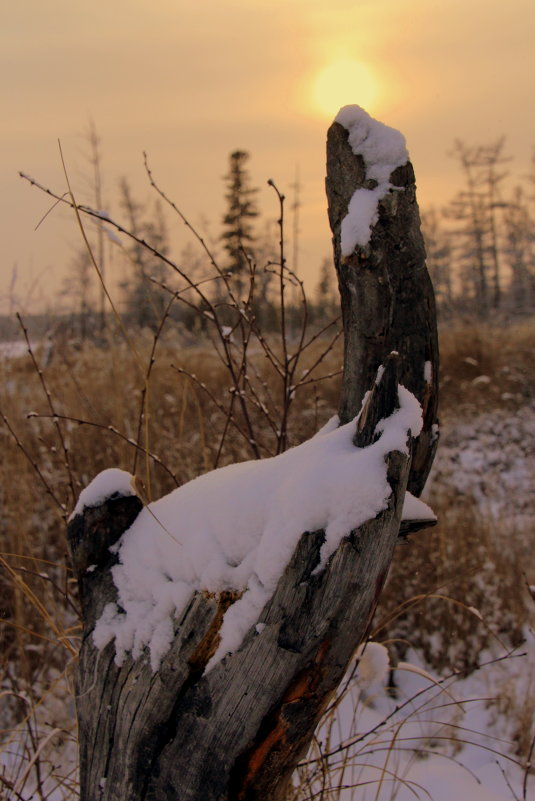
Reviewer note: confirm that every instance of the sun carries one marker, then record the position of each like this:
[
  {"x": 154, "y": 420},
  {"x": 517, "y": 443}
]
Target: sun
[{"x": 342, "y": 83}]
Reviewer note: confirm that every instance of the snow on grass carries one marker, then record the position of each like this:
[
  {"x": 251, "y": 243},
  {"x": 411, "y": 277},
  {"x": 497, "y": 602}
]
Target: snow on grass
[
  {"x": 490, "y": 457},
  {"x": 373, "y": 664},
  {"x": 13, "y": 350},
  {"x": 383, "y": 149},
  {"x": 236, "y": 528},
  {"x": 428, "y": 742}
]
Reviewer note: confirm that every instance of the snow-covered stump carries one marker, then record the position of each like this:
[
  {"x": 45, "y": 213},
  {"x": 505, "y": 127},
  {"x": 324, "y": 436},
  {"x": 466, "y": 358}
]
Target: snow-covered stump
[
  {"x": 237, "y": 730},
  {"x": 219, "y": 620},
  {"x": 387, "y": 296}
]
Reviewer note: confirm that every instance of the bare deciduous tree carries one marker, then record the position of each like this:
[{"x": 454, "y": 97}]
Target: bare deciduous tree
[{"x": 477, "y": 208}]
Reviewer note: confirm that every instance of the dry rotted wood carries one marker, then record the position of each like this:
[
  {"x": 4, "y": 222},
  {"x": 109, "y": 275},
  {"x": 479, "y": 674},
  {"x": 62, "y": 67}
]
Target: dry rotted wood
[{"x": 387, "y": 297}]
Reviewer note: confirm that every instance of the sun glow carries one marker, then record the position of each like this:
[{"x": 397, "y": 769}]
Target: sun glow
[{"x": 343, "y": 83}]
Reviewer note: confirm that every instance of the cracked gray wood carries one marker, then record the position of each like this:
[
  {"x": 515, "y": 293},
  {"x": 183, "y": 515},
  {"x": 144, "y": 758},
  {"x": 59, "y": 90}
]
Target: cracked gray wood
[{"x": 387, "y": 296}]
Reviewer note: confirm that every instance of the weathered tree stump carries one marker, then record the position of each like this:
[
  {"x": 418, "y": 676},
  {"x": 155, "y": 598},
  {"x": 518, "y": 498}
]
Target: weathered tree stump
[
  {"x": 236, "y": 732},
  {"x": 388, "y": 303}
]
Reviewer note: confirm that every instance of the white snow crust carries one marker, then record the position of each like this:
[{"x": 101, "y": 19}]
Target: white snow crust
[
  {"x": 469, "y": 761},
  {"x": 383, "y": 149},
  {"x": 415, "y": 509},
  {"x": 237, "y": 527},
  {"x": 373, "y": 664},
  {"x": 106, "y": 484}
]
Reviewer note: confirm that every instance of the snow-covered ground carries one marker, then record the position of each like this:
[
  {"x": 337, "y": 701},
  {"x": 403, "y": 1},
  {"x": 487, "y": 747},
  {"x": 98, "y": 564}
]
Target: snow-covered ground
[
  {"x": 492, "y": 459},
  {"x": 13, "y": 349},
  {"x": 442, "y": 742},
  {"x": 456, "y": 740},
  {"x": 435, "y": 741}
]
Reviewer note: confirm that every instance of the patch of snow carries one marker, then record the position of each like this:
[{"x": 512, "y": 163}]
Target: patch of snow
[
  {"x": 237, "y": 527},
  {"x": 373, "y": 665},
  {"x": 491, "y": 458},
  {"x": 107, "y": 484},
  {"x": 429, "y": 741},
  {"x": 331, "y": 425},
  {"x": 13, "y": 350},
  {"x": 415, "y": 509},
  {"x": 481, "y": 379},
  {"x": 383, "y": 149},
  {"x": 112, "y": 236}
]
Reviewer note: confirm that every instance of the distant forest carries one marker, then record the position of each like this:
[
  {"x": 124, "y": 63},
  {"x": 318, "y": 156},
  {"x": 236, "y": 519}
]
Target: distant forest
[
  {"x": 480, "y": 252},
  {"x": 481, "y": 246}
]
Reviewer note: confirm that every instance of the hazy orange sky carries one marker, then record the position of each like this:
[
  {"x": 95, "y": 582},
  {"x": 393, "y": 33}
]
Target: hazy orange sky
[{"x": 190, "y": 81}]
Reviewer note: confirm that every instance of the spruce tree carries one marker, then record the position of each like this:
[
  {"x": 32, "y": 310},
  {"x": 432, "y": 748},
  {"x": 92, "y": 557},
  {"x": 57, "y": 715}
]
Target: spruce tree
[{"x": 241, "y": 209}]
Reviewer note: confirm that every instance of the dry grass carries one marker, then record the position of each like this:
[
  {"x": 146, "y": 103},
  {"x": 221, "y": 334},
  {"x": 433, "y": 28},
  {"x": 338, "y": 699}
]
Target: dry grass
[
  {"x": 103, "y": 387},
  {"x": 461, "y": 590},
  {"x": 484, "y": 367}
]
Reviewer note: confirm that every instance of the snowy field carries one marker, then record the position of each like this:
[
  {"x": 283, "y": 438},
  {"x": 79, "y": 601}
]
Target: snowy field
[
  {"x": 437, "y": 739},
  {"x": 444, "y": 736},
  {"x": 446, "y": 742},
  {"x": 12, "y": 350}
]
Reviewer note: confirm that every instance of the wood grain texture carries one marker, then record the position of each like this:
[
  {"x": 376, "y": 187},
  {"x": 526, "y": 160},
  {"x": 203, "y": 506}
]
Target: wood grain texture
[{"x": 386, "y": 294}]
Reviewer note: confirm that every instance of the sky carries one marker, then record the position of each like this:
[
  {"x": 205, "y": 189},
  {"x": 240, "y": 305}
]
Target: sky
[{"x": 190, "y": 82}]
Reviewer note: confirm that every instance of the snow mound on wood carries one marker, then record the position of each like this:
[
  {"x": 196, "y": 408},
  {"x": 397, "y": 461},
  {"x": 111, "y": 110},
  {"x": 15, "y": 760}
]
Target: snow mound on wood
[
  {"x": 236, "y": 529},
  {"x": 383, "y": 150},
  {"x": 415, "y": 509},
  {"x": 108, "y": 484}
]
